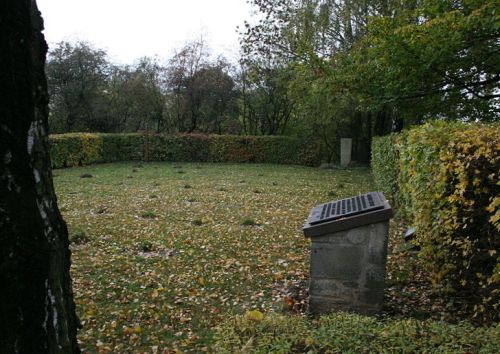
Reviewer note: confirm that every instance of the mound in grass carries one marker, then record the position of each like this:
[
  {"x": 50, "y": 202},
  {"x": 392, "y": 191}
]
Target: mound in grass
[{"x": 349, "y": 333}]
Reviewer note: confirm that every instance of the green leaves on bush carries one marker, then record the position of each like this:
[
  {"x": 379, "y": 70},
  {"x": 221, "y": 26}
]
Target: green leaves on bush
[
  {"x": 385, "y": 165},
  {"x": 446, "y": 183},
  {"x": 78, "y": 237},
  {"x": 76, "y": 149},
  {"x": 197, "y": 222},
  {"x": 248, "y": 222},
  {"x": 350, "y": 333},
  {"x": 148, "y": 215}
]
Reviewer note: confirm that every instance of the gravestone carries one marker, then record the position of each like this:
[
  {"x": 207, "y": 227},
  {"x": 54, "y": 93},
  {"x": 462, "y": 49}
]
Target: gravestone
[{"x": 345, "y": 151}]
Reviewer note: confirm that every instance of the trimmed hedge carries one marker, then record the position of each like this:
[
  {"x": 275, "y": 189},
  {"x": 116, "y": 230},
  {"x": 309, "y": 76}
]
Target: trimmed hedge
[
  {"x": 78, "y": 149},
  {"x": 448, "y": 187},
  {"x": 181, "y": 147},
  {"x": 350, "y": 333},
  {"x": 384, "y": 164}
]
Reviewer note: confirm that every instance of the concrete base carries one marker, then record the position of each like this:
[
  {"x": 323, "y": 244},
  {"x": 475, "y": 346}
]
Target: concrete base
[{"x": 348, "y": 269}]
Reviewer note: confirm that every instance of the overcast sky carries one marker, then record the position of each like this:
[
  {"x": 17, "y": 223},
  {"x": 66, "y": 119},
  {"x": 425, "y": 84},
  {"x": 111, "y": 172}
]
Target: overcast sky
[{"x": 130, "y": 29}]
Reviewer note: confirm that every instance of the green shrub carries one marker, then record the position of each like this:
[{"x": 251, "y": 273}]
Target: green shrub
[
  {"x": 287, "y": 150},
  {"x": 179, "y": 147},
  {"x": 449, "y": 174},
  {"x": 264, "y": 149},
  {"x": 122, "y": 147},
  {"x": 78, "y": 237},
  {"x": 350, "y": 333},
  {"x": 384, "y": 162},
  {"x": 77, "y": 149},
  {"x": 226, "y": 148},
  {"x": 448, "y": 189},
  {"x": 248, "y": 222},
  {"x": 148, "y": 215},
  {"x": 146, "y": 246}
]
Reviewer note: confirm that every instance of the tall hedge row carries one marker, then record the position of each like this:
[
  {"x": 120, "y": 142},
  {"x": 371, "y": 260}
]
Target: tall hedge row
[
  {"x": 87, "y": 148},
  {"x": 446, "y": 183},
  {"x": 384, "y": 164}
]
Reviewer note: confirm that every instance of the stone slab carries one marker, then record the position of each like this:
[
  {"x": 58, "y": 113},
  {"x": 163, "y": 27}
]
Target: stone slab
[
  {"x": 345, "y": 151},
  {"x": 336, "y": 262},
  {"x": 348, "y": 270}
]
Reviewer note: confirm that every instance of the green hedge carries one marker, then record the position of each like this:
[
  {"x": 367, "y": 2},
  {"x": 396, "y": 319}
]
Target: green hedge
[
  {"x": 350, "y": 333},
  {"x": 448, "y": 187},
  {"x": 77, "y": 149},
  {"x": 181, "y": 147},
  {"x": 384, "y": 164}
]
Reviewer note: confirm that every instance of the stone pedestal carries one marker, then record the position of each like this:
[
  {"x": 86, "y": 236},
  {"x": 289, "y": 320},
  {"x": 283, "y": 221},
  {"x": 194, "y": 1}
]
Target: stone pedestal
[
  {"x": 348, "y": 269},
  {"x": 345, "y": 151}
]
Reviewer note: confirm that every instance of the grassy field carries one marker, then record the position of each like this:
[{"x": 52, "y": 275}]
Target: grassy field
[{"x": 168, "y": 251}]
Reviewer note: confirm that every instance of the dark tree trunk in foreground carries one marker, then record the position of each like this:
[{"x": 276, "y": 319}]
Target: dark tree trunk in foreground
[{"x": 37, "y": 312}]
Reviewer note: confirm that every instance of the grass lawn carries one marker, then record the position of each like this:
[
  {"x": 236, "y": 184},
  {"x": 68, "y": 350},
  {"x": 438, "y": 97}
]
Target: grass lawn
[{"x": 168, "y": 251}]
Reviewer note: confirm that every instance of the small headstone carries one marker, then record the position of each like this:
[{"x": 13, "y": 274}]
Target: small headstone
[{"x": 345, "y": 151}]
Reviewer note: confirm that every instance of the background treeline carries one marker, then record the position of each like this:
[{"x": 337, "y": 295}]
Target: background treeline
[
  {"x": 191, "y": 92},
  {"x": 90, "y": 94},
  {"x": 316, "y": 68}
]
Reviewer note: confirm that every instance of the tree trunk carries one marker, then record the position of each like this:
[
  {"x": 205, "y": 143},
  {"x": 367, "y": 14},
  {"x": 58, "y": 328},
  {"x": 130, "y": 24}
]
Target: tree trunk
[{"x": 37, "y": 312}]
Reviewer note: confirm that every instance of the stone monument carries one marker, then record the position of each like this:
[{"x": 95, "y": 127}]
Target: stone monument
[
  {"x": 348, "y": 254},
  {"x": 345, "y": 151}
]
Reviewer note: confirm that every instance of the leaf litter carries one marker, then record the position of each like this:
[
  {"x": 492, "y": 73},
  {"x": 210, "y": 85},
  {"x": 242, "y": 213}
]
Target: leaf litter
[{"x": 169, "y": 297}]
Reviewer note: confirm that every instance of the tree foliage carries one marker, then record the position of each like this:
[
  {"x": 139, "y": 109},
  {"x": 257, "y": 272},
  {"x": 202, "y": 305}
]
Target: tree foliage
[
  {"x": 90, "y": 94},
  {"x": 443, "y": 178},
  {"x": 267, "y": 106},
  {"x": 441, "y": 57},
  {"x": 320, "y": 68},
  {"x": 201, "y": 91},
  {"x": 135, "y": 97},
  {"x": 370, "y": 67},
  {"x": 77, "y": 76}
]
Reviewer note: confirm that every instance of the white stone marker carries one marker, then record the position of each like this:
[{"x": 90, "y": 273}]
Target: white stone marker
[{"x": 345, "y": 151}]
